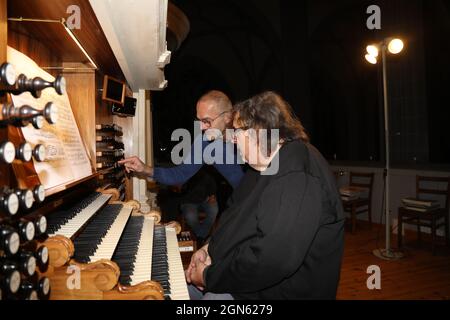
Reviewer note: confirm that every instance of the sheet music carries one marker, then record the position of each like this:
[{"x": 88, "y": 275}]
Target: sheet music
[{"x": 67, "y": 160}]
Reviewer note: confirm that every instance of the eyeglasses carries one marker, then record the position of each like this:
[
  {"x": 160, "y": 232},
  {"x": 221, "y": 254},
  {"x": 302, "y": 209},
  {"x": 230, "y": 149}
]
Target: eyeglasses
[{"x": 208, "y": 122}]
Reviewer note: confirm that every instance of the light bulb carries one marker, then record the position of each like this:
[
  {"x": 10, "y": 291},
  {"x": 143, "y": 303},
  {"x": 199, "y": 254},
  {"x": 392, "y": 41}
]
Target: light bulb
[
  {"x": 395, "y": 46},
  {"x": 371, "y": 59},
  {"x": 372, "y": 50}
]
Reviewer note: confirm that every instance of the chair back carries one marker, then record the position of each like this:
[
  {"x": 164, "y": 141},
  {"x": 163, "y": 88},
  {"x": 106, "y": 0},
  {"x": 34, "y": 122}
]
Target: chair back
[
  {"x": 363, "y": 180},
  {"x": 428, "y": 188}
]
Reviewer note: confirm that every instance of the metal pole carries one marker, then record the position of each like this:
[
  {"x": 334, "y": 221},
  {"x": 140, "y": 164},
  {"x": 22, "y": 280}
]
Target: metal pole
[
  {"x": 386, "y": 138},
  {"x": 387, "y": 253}
]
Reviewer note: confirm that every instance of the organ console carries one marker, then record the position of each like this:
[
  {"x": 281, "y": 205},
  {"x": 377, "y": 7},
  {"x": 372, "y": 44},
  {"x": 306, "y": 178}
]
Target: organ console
[
  {"x": 88, "y": 226},
  {"x": 130, "y": 250}
]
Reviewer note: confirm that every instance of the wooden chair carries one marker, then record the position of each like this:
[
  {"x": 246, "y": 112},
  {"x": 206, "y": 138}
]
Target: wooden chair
[
  {"x": 360, "y": 205},
  {"x": 433, "y": 219}
]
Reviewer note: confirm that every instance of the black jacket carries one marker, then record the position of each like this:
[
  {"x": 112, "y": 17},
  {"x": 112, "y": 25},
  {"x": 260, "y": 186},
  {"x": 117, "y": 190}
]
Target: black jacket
[
  {"x": 199, "y": 188},
  {"x": 283, "y": 236}
]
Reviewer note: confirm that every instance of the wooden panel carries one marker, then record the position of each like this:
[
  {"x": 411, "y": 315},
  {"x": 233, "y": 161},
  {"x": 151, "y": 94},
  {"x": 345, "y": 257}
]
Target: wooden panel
[
  {"x": 103, "y": 109},
  {"x": 81, "y": 91},
  {"x": 20, "y": 39},
  {"x": 127, "y": 126},
  {"x": 3, "y": 31},
  {"x": 56, "y": 39},
  {"x": 103, "y": 115},
  {"x": 5, "y": 170},
  {"x": 149, "y": 130}
]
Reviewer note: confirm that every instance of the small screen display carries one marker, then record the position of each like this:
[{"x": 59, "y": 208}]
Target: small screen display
[
  {"x": 128, "y": 109},
  {"x": 114, "y": 90}
]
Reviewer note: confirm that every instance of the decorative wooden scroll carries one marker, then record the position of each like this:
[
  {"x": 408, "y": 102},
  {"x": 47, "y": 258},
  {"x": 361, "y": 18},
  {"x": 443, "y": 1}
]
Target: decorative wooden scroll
[
  {"x": 155, "y": 214},
  {"x": 175, "y": 225},
  {"x": 147, "y": 290},
  {"x": 60, "y": 250},
  {"x": 98, "y": 280},
  {"x": 112, "y": 191}
]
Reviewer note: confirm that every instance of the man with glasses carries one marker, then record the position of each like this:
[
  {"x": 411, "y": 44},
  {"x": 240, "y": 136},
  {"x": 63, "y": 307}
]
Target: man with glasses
[{"x": 214, "y": 111}]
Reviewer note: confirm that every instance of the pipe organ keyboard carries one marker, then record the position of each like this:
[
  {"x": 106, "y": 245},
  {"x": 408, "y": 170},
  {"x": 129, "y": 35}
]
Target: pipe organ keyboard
[
  {"x": 105, "y": 234},
  {"x": 149, "y": 252},
  {"x": 69, "y": 221}
]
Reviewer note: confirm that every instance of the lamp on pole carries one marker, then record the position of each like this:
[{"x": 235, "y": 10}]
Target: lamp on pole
[{"x": 393, "y": 46}]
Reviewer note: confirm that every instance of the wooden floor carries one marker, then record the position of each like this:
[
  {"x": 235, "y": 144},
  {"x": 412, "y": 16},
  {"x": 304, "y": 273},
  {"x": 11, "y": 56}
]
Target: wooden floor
[{"x": 419, "y": 275}]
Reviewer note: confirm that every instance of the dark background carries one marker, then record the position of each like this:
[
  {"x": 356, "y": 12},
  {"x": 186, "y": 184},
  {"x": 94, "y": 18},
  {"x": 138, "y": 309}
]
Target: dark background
[{"x": 312, "y": 53}]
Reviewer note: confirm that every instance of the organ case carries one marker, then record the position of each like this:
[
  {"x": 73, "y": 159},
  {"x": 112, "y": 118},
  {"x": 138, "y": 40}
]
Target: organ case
[{"x": 50, "y": 46}]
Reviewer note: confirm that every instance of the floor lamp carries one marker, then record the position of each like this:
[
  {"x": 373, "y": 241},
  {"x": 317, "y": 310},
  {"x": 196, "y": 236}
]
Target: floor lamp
[{"x": 393, "y": 46}]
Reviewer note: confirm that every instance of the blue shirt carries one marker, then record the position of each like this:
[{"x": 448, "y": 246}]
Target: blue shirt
[{"x": 220, "y": 154}]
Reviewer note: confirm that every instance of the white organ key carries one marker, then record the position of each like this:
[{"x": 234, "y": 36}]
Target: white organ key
[
  {"x": 109, "y": 242},
  {"x": 177, "y": 280},
  {"x": 74, "y": 224},
  {"x": 143, "y": 264}
]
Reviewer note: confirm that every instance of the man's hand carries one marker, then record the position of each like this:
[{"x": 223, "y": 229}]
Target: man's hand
[
  {"x": 199, "y": 258},
  {"x": 197, "y": 275},
  {"x": 135, "y": 165}
]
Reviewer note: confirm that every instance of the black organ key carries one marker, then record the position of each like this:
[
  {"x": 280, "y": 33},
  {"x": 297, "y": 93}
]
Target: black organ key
[
  {"x": 160, "y": 265},
  {"x": 125, "y": 254}
]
